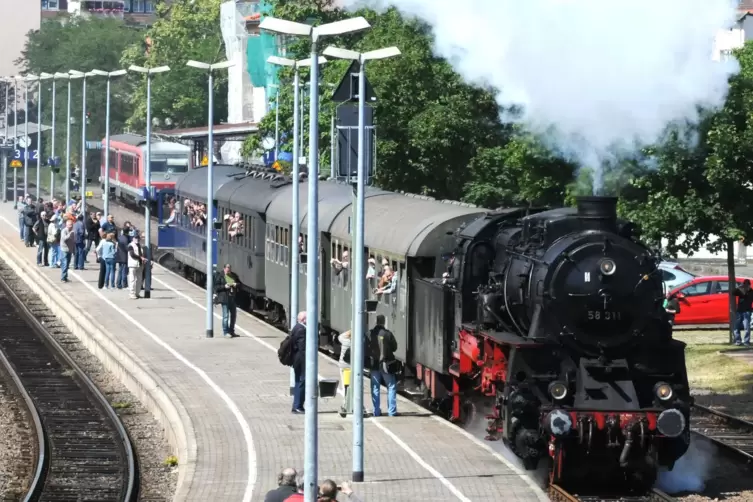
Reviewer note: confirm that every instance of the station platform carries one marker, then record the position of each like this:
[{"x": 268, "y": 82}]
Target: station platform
[{"x": 225, "y": 403}]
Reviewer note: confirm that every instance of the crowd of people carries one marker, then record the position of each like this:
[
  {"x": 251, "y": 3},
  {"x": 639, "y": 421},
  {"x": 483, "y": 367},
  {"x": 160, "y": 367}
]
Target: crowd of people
[{"x": 64, "y": 236}]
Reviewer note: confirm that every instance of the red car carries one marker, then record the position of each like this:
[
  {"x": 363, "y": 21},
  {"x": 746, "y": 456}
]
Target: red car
[{"x": 705, "y": 300}]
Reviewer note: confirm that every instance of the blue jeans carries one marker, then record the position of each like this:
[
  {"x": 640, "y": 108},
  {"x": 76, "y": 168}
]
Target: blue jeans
[
  {"x": 229, "y": 311},
  {"x": 380, "y": 377},
  {"x": 42, "y": 251},
  {"x": 299, "y": 392},
  {"x": 65, "y": 262},
  {"x": 110, "y": 273},
  {"x": 122, "y": 277},
  {"x": 80, "y": 256},
  {"x": 21, "y": 227},
  {"x": 54, "y": 254},
  {"x": 743, "y": 321}
]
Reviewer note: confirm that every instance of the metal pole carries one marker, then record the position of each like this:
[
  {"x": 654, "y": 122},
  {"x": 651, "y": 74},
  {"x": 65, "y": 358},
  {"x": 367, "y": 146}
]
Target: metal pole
[
  {"x": 5, "y": 144},
  {"x": 15, "y": 140},
  {"x": 302, "y": 136},
  {"x": 68, "y": 148},
  {"x": 311, "y": 453},
  {"x": 82, "y": 181},
  {"x": 26, "y": 136},
  {"x": 332, "y": 139},
  {"x": 358, "y": 284},
  {"x": 277, "y": 125},
  {"x": 295, "y": 269},
  {"x": 148, "y": 183},
  {"x": 39, "y": 138},
  {"x": 210, "y": 212},
  {"x": 52, "y": 153},
  {"x": 107, "y": 151}
]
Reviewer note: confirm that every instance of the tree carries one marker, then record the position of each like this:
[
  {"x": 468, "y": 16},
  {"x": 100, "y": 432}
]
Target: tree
[
  {"x": 79, "y": 44},
  {"x": 185, "y": 29},
  {"x": 522, "y": 172}
]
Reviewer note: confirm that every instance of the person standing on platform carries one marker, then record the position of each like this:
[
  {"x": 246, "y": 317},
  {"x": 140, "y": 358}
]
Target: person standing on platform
[
  {"x": 298, "y": 340},
  {"x": 40, "y": 233},
  {"x": 53, "y": 240},
  {"x": 20, "y": 206},
  {"x": 300, "y": 482},
  {"x": 226, "y": 286},
  {"x": 67, "y": 247},
  {"x": 384, "y": 366},
  {"x": 121, "y": 259},
  {"x": 286, "y": 486},
  {"x": 92, "y": 234},
  {"x": 79, "y": 230},
  {"x": 30, "y": 216},
  {"x": 106, "y": 251},
  {"x": 136, "y": 260}
]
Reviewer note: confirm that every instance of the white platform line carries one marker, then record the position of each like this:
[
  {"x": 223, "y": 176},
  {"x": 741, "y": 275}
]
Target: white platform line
[{"x": 251, "y": 478}]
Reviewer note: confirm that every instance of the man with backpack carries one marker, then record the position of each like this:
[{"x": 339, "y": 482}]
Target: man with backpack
[
  {"x": 292, "y": 352},
  {"x": 384, "y": 366}
]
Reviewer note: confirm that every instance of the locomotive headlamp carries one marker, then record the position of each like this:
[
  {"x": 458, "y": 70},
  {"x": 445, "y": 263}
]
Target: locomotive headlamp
[
  {"x": 558, "y": 390},
  {"x": 607, "y": 267},
  {"x": 663, "y": 391}
]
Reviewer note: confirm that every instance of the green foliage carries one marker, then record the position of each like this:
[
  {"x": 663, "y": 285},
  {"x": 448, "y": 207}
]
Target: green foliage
[
  {"x": 79, "y": 44},
  {"x": 522, "y": 172},
  {"x": 185, "y": 29}
]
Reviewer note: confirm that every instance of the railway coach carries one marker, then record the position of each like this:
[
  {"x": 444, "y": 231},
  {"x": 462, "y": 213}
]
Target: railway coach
[{"x": 128, "y": 166}]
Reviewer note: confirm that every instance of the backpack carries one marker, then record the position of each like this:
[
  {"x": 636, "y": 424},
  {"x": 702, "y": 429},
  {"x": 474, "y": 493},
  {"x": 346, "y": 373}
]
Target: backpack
[{"x": 285, "y": 352}]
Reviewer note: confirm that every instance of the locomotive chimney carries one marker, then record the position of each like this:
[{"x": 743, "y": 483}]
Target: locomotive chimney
[{"x": 595, "y": 207}]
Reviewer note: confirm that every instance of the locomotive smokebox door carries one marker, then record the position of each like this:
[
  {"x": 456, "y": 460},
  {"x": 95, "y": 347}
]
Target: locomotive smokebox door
[{"x": 605, "y": 386}]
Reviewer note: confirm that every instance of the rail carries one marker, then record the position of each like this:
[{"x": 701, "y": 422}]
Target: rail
[
  {"x": 68, "y": 427},
  {"x": 559, "y": 494},
  {"x": 732, "y": 434}
]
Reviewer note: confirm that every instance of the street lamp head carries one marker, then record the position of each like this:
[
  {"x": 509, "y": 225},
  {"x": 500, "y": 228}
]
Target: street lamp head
[
  {"x": 31, "y": 77},
  {"x": 346, "y": 26},
  {"x": 307, "y": 62},
  {"x": 90, "y": 74},
  {"x": 284, "y": 27},
  {"x": 387, "y": 52},
  {"x": 76, "y": 74},
  {"x": 149, "y": 71},
  {"x": 117, "y": 73},
  {"x": 159, "y": 69},
  {"x": 280, "y": 61},
  {"x": 100, "y": 73},
  {"x": 139, "y": 69},
  {"x": 197, "y": 64},
  {"x": 223, "y": 65},
  {"x": 60, "y": 75},
  {"x": 336, "y": 52},
  {"x": 45, "y": 76}
]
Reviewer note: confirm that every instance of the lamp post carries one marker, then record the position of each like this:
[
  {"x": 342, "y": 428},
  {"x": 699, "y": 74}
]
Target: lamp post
[
  {"x": 109, "y": 75},
  {"x": 29, "y": 78},
  {"x": 42, "y": 76},
  {"x": 296, "y": 231},
  {"x": 315, "y": 33},
  {"x": 6, "y": 145},
  {"x": 57, "y": 76},
  {"x": 211, "y": 233},
  {"x": 360, "y": 273},
  {"x": 15, "y": 137},
  {"x": 69, "y": 122},
  {"x": 148, "y": 173},
  {"x": 82, "y": 181}
]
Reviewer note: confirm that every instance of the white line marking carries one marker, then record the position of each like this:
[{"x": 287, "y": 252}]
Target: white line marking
[
  {"x": 420, "y": 461},
  {"x": 251, "y": 480}
]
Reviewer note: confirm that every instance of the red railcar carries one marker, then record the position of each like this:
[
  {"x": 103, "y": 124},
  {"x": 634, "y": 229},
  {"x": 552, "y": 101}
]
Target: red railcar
[{"x": 128, "y": 162}]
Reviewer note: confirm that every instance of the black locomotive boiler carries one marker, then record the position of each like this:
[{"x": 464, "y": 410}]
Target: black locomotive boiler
[{"x": 560, "y": 322}]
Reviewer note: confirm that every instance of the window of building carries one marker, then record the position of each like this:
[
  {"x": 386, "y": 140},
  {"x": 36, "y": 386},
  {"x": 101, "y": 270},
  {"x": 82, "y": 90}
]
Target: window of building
[
  {"x": 138, "y": 6},
  {"x": 50, "y": 5},
  {"x": 149, "y": 6}
]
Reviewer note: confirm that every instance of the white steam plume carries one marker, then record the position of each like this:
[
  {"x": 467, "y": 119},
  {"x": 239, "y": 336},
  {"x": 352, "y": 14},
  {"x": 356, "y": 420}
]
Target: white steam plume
[
  {"x": 594, "y": 77},
  {"x": 691, "y": 471}
]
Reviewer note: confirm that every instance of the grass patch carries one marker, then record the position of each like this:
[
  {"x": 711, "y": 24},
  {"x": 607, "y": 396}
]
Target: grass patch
[
  {"x": 121, "y": 405},
  {"x": 708, "y": 369},
  {"x": 171, "y": 461}
]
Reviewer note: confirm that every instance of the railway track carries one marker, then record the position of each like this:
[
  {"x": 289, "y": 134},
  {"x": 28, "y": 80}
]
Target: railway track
[
  {"x": 559, "y": 494},
  {"x": 84, "y": 453},
  {"x": 731, "y": 434}
]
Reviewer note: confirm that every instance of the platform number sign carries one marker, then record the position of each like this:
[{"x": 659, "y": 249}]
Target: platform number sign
[{"x": 19, "y": 153}]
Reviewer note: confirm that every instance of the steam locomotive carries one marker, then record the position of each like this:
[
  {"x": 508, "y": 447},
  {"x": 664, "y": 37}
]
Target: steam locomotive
[
  {"x": 560, "y": 321},
  {"x": 553, "y": 316}
]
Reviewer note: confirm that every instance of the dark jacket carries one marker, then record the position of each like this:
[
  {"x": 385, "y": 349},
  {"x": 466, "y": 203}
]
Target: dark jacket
[
  {"x": 79, "y": 232},
  {"x": 30, "y": 215},
  {"x": 92, "y": 230},
  {"x": 744, "y": 300},
  {"x": 121, "y": 251},
  {"x": 40, "y": 230},
  {"x": 280, "y": 493},
  {"x": 224, "y": 294},
  {"x": 298, "y": 333},
  {"x": 382, "y": 346}
]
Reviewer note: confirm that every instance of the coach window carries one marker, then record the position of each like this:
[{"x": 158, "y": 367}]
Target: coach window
[
  {"x": 286, "y": 244},
  {"x": 267, "y": 254}
]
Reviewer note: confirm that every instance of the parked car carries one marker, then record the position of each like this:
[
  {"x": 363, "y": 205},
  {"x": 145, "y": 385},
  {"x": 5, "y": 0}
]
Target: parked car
[
  {"x": 673, "y": 275},
  {"x": 705, "y": 300}
]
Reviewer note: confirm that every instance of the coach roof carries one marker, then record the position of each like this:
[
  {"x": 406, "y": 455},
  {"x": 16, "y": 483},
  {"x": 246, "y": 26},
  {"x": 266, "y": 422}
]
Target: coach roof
[
  {"x": 194, "y": 183},
  {"x": 128, "y": 138}
]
